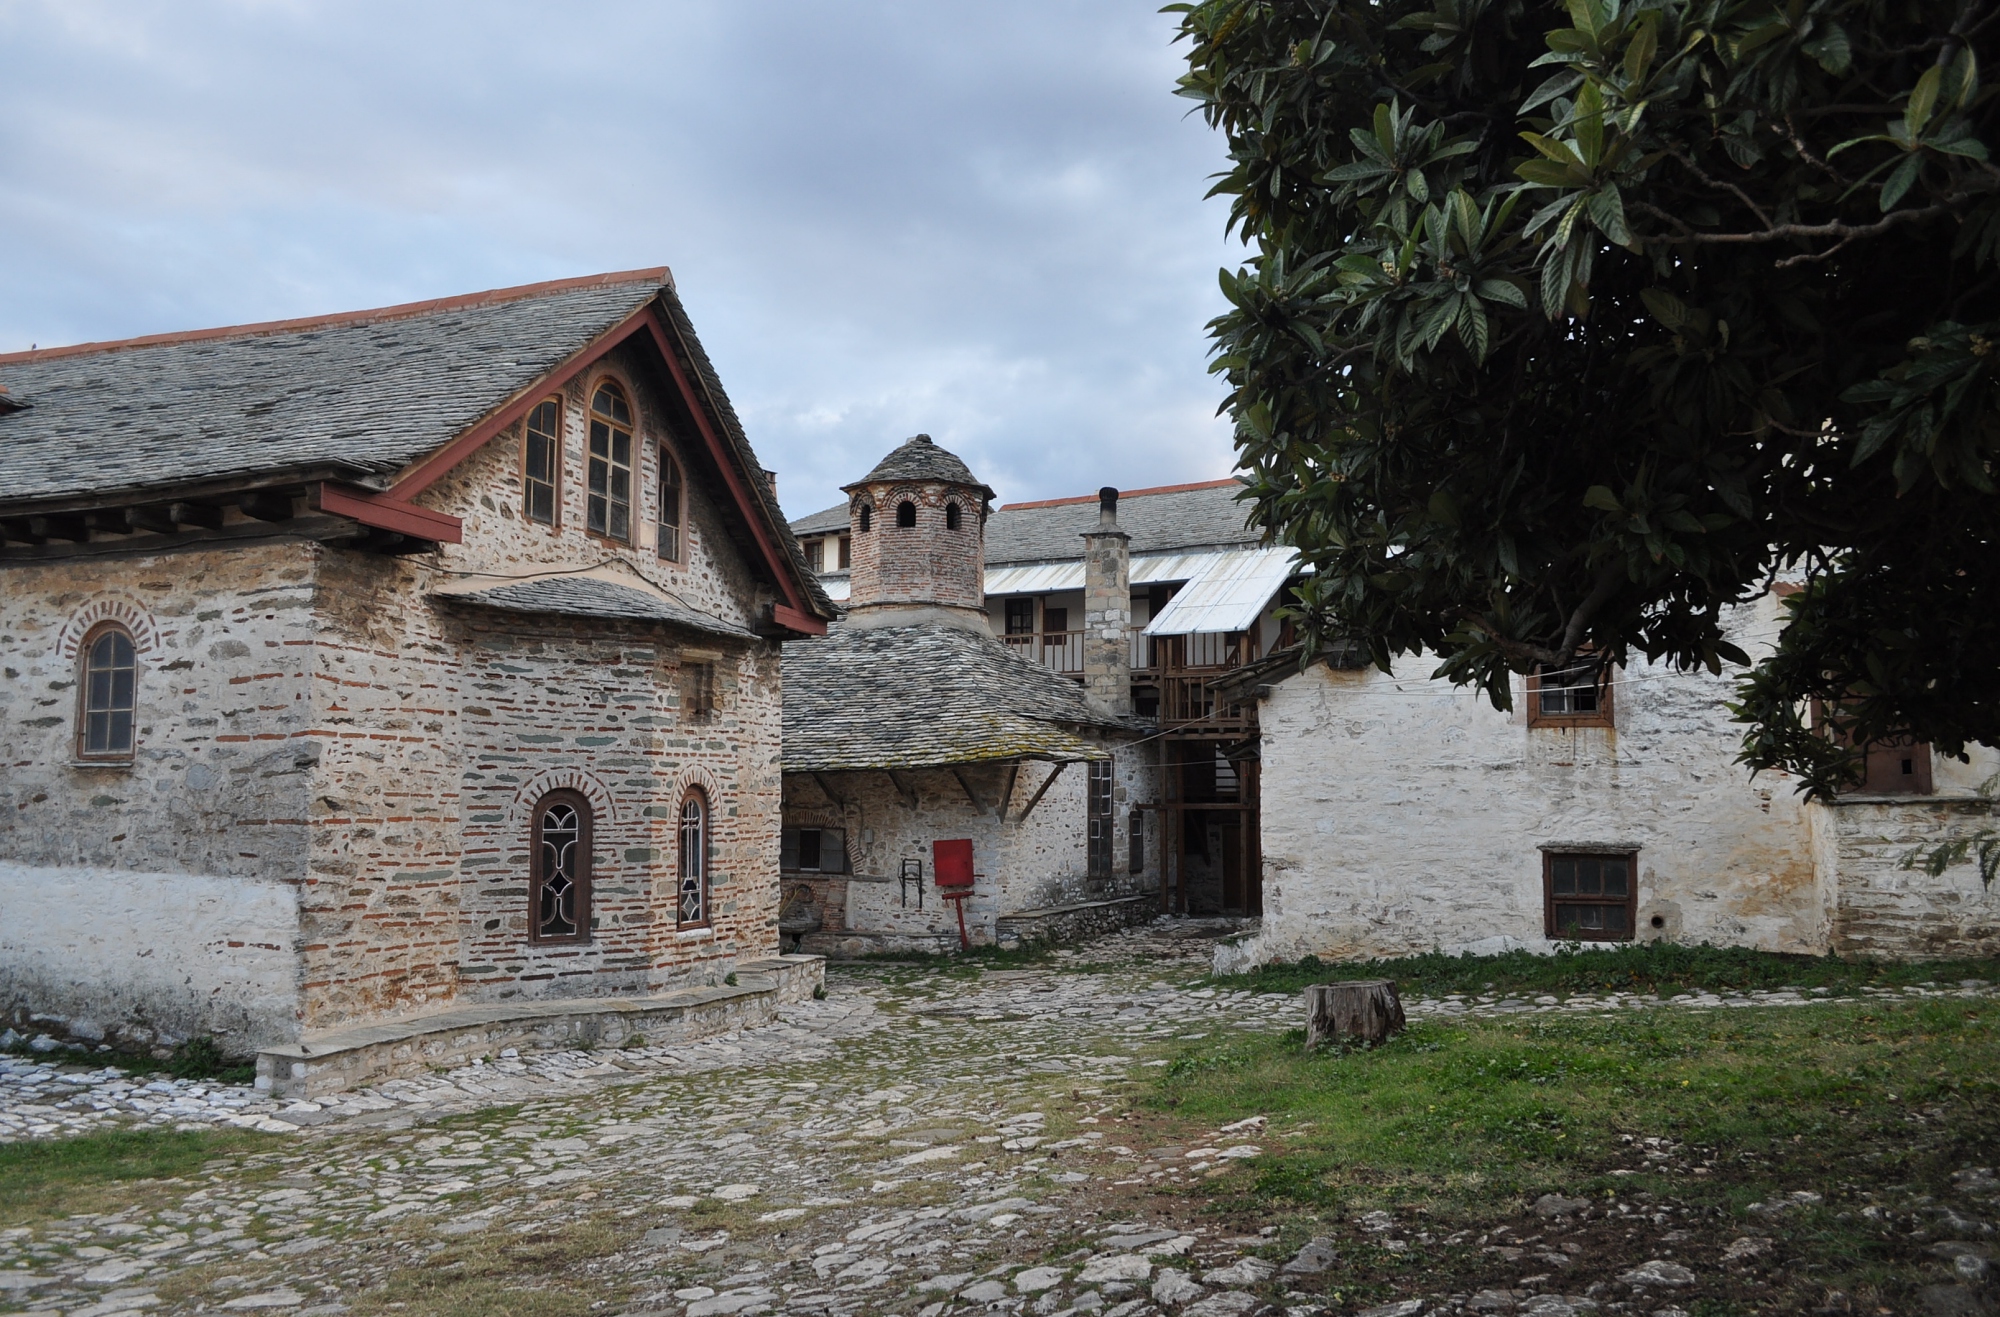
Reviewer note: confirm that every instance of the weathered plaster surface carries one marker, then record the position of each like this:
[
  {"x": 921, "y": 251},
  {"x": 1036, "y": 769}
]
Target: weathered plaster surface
[
  {"x": 1401, "y": 815},
  {"x": 1883, "y": 908},
  {"x": 147, "y": 959}
]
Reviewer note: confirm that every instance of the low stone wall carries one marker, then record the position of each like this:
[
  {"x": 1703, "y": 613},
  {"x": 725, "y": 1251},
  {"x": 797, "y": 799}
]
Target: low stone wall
[
  {"x": 1881, "y": 908},
  {"x": 1076, "y": 922},
  {"x": 371, "y": 1054},
  {"x": 144, "y": 960}
]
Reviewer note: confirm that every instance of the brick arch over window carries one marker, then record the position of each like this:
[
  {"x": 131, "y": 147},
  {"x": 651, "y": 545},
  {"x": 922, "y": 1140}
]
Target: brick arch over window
[
  {"x": 520, "y": 811},
  {"x": 129, "y": 614}
]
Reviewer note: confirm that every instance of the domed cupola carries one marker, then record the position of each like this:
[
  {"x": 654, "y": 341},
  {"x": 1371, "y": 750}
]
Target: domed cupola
[{"x": 917, "y": 524}]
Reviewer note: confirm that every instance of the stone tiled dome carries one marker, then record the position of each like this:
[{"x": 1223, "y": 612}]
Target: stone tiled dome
[{"x": 920, "y": 459}]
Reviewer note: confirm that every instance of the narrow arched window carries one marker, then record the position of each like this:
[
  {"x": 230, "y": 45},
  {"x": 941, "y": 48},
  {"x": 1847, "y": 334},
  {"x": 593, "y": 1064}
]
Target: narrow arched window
[
  {"x": 559, "y": 884},
  {"x": 906, "y": 514},
  {"x": 671, "y": 504},
  {"x": 867, "y": 514},
  {"x": 693, "y": 909},
  {"x": 107, "y": 693},
  {"x": 951, "y": 516},
  {"x": 610, "y": 509},
  {"x": 541, "y": 462}
]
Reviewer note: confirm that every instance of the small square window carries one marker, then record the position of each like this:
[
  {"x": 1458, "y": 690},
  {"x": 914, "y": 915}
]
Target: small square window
[
  {"x": 1590, "y": 896},
  {"x": 1575, "y": 696}
]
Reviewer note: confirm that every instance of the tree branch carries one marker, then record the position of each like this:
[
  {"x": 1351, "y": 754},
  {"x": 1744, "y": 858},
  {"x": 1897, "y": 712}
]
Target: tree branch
[{"x": 1720, "y": 186}]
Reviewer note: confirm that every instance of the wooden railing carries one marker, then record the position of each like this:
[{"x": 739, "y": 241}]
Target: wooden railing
[{"x": 1058, "y": 651}]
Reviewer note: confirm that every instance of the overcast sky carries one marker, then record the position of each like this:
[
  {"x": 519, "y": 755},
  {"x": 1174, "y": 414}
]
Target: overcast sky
[{"x": 983, "y": 221}]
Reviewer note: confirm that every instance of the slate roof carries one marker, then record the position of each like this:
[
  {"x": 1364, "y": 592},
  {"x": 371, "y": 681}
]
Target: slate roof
[
  {"x": 363, "y": 394},
  {"x": 925, "y": 697},
  {"x": 819, "y": 523},
  {"x": 917, "y": 458},
  {"x": 584, "y": 596},
  {"x": 1177, "y": 517}
]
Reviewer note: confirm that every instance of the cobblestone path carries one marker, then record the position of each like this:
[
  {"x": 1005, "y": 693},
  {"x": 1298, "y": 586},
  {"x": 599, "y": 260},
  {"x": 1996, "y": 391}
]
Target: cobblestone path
[{"x": 915, "y": 1143}]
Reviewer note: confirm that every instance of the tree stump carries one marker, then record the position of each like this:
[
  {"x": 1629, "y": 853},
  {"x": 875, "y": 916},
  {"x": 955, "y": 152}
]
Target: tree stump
[{"x": 1364, "y": 1009}]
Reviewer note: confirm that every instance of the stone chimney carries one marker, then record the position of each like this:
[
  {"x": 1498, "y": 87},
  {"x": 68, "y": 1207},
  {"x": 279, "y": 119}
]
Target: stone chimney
[
  {"x": 1107, "y": 608},
  {"x": 917, "y": 529}
]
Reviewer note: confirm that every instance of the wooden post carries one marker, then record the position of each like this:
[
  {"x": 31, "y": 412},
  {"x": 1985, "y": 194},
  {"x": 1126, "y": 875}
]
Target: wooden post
[{"x": 1366, "y": 1009}]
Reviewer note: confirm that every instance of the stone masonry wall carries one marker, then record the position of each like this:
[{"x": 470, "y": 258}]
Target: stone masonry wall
[
  {"x": 1882, "y": 908},
  {"x": 1400, "y": 815},
  {"x": 157, "y": 899}
]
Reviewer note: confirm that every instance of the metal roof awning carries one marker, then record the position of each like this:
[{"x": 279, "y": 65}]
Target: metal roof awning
[
  {"x": 1229, "y": 594},
  {"x": 1052, "y": 577}
]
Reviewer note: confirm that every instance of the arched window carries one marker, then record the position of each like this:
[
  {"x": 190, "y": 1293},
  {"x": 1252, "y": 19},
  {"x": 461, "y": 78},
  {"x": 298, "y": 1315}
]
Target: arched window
[
  {"x": 610, "y": 510},
  {"x": 559, "y": 884},
  {"x": 107, "y": 693},
  {"x": 906, "y": 514},
  {"x": 541, "y": 462},
  {"x": 867, "y": 514},
  {"x": 671, "y": 490},
  {"x": 693, "y": 910},
  {"x": 951, "y": 516}
]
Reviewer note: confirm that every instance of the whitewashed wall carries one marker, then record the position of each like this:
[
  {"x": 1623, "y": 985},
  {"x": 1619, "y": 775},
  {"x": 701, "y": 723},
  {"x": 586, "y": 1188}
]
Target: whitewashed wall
[{"x": 1402, "y": 815}]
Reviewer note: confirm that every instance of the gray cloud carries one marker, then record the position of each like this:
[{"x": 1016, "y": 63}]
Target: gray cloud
[{"x": 983, "y": 221}]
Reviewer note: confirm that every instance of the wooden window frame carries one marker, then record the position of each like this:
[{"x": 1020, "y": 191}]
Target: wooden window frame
[
  {"x": 555, "y": 481},
  {"x": 695, "y": 796},
  {"x": 1014, "y": 609},
  {"x": 815, "y": 556},
  {"x": 1100, "y": 784},
  {"x": 1881, "y": 761},
  {"x": 1550, "y": 903},
  {"x": 1603, "y": 716},
  {"x": 791, "y": 857},
  {"x": 591, "y": 418},
  {"x": 844, "y": 556},
  {"x": 81, "y": 742},
  {"x": 669, "y": 462},
  {"x": 582, "y": 879}
]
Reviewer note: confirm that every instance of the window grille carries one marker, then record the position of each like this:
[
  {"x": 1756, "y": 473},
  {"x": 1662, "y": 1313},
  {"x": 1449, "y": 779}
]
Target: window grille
[
  {"x": 559, "y": 884},
  {"x": 610, "y": 505},
  {"x": 541, "y": 462},
  {"x": 672, "y": 506},
  {"x": 693, "y": 907},
  {"x": 109, "y": 690}
]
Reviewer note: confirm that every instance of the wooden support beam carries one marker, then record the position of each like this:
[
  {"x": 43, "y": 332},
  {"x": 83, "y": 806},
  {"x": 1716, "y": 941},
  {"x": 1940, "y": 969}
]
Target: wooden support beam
[
  {"x": 15, "y": 529},
  {"x": 828, "y": 791},
  {"x": 1042, "y": 790},
  {"x": 157, "y": 519},
  {"x": 978, "y": 805},
  {"x": 195, "y": 514},
  {"x": 903, "y": 789},
  {"x": 1007, "y": 790},
  {"x": 266, "y": 505},
  {"x": 60, "y": 526}
]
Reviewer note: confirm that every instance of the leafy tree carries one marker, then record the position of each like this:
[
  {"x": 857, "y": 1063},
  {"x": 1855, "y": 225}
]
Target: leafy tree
[{"x": 1565, "y": 329}]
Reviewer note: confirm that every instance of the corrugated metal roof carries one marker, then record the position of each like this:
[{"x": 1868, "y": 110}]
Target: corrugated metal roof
[
  {"x": 1049, "y": 577},
  {"x": 837, "y": 587},
  {"x": 1229, "y": 595}
]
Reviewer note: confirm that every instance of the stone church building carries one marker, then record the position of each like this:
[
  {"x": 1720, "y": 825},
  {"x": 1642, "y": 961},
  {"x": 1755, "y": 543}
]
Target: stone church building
[{"x": 414, "y": 669}]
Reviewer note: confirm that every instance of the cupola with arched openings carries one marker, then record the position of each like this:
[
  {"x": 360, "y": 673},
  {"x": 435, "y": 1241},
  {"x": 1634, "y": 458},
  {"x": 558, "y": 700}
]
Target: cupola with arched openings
[{"x": 917, "y": 524}]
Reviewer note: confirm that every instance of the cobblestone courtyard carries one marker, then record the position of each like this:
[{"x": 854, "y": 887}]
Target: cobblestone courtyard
[{"x": 915, "y": 1143}]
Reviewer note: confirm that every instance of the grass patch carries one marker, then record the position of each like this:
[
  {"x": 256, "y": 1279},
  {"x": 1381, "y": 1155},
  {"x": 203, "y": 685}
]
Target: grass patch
[
  {"x": 554, "y": 1272},
  {"x": 1669, "y": 1120},
  {"x": 197, "y": 1058},
  {"x": 1660, "y": 967},
  {"x": 56, "y": 1177}
]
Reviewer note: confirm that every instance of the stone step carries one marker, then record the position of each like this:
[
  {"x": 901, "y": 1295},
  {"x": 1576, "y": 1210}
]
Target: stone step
[{"x": 361, "y": 1055}]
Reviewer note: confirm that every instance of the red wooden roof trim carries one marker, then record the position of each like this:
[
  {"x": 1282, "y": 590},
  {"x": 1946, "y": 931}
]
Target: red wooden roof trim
[
  {"x": 373, "y": 509},
  {"x": 439, "y": 464},
  {"x": 796, "y": 616},
  {"x": 658, "y": 274}
]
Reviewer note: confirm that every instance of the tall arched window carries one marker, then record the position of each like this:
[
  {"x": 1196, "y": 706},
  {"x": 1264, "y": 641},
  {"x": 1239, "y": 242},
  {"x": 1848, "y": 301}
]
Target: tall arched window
[
  {"x": 541, "y": 462},
  {"x": 693, "y": 909},
  {"x": 906, "y": 514},
  {"x": 951, "y": 516},
  {"x": 867, "y": 516},
  {"x": 671, "y": 502},
  {"x": 610, "y": 511},
  {"x": 107, "y": 693},
  {"x": 559, "y": 884}
]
